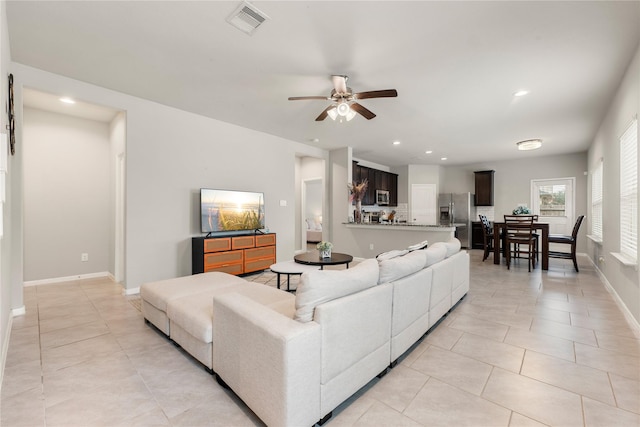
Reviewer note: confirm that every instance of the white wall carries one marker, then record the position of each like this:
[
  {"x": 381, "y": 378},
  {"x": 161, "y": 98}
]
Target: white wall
[
  {"x": 66, "y": 195},
  {"x": 6, "y": 249},
  {"x": 625, "y": 105},
  {"x": 170, "y": 155},
  {"x": 117, "y": 136}
]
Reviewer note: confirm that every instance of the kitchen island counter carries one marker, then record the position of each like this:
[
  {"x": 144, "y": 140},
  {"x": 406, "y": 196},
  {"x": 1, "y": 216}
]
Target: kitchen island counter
[{"x": 369, "y": 240}]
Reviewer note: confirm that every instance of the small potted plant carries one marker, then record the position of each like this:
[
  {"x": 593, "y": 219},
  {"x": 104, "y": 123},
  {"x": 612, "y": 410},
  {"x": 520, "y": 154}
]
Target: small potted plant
[
  {"x": 325, "y": 249},
  {"x": 522, "y": 210}
]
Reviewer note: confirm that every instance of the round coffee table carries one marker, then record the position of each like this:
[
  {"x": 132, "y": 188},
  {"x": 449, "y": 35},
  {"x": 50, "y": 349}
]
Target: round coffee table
[{"x": 313, "y": 258}]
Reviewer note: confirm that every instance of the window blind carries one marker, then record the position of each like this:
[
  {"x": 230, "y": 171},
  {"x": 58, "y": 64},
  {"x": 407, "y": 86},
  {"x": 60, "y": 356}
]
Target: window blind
[
  {"x": 596, "y": 201},
  {"x": 629, "y": 192}
]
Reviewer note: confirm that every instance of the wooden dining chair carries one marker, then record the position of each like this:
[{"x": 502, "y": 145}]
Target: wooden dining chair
[
  {"x": 569, "y": 240},
  {"x": 487, "y": 235},
  {"x": 519, "y": 233}
]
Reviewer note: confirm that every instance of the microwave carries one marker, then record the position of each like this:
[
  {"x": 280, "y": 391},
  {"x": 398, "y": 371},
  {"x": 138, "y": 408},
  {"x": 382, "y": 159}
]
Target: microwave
[{"x": 382, "y": 197}]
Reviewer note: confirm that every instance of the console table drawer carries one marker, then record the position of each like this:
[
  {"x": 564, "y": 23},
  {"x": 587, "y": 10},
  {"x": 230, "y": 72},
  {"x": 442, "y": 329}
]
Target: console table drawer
[
  {"x": 234, "y": 269},
  {"x": 266, "y": 240},
  {"x": 223, "y": 259},
  {"x": 258, "y": 253},
  {"x": 217, "y": 245},
  {"x": 242, "y": 242},
  {"x": 260, "y": 264}
]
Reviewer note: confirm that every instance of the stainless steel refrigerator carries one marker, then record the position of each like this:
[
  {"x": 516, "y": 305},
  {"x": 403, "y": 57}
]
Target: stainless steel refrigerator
[{"x": 458, "y": 209}]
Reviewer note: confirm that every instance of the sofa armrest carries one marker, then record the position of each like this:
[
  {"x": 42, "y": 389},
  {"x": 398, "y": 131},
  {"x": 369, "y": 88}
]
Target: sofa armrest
[{"x": 270, "y": 361}]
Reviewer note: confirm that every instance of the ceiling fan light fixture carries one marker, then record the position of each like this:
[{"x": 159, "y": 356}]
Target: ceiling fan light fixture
[
  {"x": 350, "y": 115},
  {"x": 529, "y": 144},
  {"x": 343, "y": 109},
  {"x": 333, "y": 113}
]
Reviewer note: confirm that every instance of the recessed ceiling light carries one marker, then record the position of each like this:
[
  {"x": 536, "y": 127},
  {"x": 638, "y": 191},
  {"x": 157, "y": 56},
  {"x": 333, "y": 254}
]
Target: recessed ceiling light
[
  {"x": 67, "y": 100},
  {"x": 529, "y": 144},
  {"x": 443, "y": 158},
  {"x": 396, "y": 142},
  {"x": 314, "y": 140},
  {"x": 428, "y": 152},
  {"x": 521, "y": 93}
]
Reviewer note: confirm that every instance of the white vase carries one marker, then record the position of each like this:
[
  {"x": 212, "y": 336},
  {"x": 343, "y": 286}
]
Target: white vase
[{"x": 325, "y": 253}]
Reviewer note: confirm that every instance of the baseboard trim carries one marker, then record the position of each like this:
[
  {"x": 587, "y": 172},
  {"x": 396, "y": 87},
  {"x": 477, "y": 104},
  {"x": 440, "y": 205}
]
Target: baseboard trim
[
  {"x": 132, "y": 291},
  {"x": 623, "y": 307},
  {"x": 5, "y": 349},
  {"x": 20, "y": 311},
  {"x": 55, "y": 280}
]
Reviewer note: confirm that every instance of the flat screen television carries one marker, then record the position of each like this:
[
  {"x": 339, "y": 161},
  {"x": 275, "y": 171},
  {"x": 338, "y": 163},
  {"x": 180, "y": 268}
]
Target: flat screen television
[{"x": 225, "y": 210}]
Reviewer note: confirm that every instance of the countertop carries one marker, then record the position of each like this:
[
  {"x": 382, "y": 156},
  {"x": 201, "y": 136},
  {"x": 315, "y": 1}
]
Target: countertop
[{"x": 404, "y": 225}]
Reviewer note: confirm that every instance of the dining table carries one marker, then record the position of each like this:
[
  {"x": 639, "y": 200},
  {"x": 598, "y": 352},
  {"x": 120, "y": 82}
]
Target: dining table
[{"x": 542, "y": 226}]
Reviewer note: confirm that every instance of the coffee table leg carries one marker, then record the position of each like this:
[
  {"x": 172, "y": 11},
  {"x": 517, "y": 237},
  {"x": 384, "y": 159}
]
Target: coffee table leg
[{"x": 278, "y": 280}]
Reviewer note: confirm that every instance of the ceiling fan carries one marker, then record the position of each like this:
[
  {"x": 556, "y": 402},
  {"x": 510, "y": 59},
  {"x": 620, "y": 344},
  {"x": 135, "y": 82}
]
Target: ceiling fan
[{"x": 343, "y": 98}]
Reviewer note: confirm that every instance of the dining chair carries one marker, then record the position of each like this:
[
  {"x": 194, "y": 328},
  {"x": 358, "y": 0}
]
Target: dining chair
[
  {"x": 569, "y": 240},
  {"x": 519, "y": 232},
  {"x": 487, "y": 235}
]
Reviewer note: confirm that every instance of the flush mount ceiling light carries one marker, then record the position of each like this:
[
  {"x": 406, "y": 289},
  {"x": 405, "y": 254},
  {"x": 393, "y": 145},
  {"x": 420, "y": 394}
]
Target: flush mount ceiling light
[
  {"x": 529, "y": 144},
  {"x": 67, "y": 100},
  {"x": 521, "y": 93},
  {"x": 396, "y": 142},
  {"x": 428, "y": 152}
]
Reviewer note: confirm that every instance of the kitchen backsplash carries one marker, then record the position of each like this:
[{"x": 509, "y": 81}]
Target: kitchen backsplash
[{"x": 487, "y": 211}]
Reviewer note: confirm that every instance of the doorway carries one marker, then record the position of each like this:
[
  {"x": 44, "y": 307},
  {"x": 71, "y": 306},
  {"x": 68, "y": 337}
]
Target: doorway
[{"x": 312, "y": 208}]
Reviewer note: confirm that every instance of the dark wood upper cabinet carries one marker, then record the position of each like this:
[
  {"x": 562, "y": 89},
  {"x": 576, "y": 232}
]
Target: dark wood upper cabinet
[
  {"x": 484, "y": 188},
  {"x": 378, "y": 180}
]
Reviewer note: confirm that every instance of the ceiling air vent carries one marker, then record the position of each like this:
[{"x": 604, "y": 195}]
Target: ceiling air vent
[{"x": 247, "y": 18}]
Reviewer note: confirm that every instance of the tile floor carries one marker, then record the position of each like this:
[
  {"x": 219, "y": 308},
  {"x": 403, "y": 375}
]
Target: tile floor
[{"x": 522, "y": 349}]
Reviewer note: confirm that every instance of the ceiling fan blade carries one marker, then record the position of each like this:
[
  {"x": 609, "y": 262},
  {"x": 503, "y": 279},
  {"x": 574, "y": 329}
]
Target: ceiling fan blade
[
  {"x": 387, "y": 93},
  {"x": 367, "y": 114},
  {"x": 299, "y": 98},
  {"x": 340, "y": 83},
  {"x": 324, "y": 114}
]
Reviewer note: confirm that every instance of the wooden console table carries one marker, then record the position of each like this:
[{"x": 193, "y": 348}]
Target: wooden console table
[{"x": 233, "y": 254}]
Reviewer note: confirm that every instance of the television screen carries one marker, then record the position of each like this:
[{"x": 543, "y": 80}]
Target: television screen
[{"x": 224, "y": 210}]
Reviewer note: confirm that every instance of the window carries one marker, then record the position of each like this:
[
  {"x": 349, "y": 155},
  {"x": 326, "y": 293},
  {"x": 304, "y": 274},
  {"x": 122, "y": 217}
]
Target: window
[
  {"x": 596, "y": 202},
  {"x": 552, "y": 199},
  {"x": 629, "y": 192}
]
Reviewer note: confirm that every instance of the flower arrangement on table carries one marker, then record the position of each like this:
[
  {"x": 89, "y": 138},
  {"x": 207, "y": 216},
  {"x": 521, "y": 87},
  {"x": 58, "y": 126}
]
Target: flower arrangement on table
[
  {"x": 522, "y": 210},
  {"x": 325, "y": 249},
  {"x": 356, "y": 193}
]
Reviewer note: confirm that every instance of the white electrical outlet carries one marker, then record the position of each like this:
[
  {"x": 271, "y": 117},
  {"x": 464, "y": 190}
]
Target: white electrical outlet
[
  {"x": 84, "y": 257},
  {"x": 370, "y": 246}
]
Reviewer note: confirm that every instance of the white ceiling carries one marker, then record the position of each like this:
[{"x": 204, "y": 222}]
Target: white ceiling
[{"x": 455, "y": 65}]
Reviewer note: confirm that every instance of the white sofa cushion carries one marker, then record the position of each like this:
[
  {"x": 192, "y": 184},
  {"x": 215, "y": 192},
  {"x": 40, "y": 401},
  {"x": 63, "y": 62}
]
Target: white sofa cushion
[
  {"x": 453, "y": 246},
  {"x": 435, "y": 253},
  {"x": 398, "y": 267},
  {"x": 392, "y": 254},
  {"x": 317, "y": 287}
]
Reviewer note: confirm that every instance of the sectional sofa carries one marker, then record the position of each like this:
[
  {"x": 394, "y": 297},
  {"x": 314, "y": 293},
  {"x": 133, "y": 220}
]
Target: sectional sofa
[{"x": 294, "y": 359}]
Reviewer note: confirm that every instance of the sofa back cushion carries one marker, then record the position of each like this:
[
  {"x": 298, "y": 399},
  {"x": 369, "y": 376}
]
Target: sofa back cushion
[
  {"x": 453, "y": 246},
  {"x": 320, "y": 286},
  {"x": 396, "y": 268},
  {"x": 435, "y": 253}
]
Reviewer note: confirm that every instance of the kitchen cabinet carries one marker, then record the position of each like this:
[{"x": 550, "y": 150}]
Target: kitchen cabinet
[
  {"x": 378, "y": 180},
  {"x": 484, "y": 188},
  {"x": 477, "y": 235}
]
